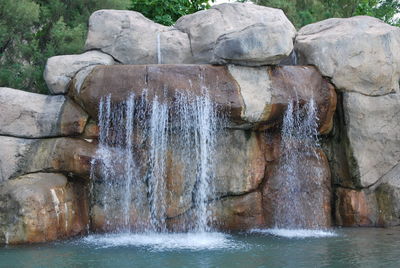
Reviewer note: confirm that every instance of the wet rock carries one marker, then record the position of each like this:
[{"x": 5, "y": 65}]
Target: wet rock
[
  {"x": 31, "y": 115},
  {"x": 388, "y": 199},
  {"x": 354, "y": 208},
  {"x": 21, "y": 156},
  {"x": 131, "y": 38},
  {"x": 239, "y": 169},
  {"x": 238, "y": 212},
  {"x": 349, "y": 51},
  {"x": 113, "y": 220},
  {"x": 92, "y": 130},
  {"x": 251, "y": 97},
  {"x": 165, "y": 81},
  {"x": 296, "y": 194},
  {"x": 231, "y": 213},
  {"x": 42, "y": 207},
  {"x": 60, "y": 70},
  {"x": 244, "y": 34},
  {"x": 378, "y": 205},
  {"x": 267, "y": 91}
]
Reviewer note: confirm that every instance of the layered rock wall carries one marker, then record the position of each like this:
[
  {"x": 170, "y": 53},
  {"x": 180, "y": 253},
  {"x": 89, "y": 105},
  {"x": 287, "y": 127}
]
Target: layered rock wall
[{"x": 48, "y": 142}]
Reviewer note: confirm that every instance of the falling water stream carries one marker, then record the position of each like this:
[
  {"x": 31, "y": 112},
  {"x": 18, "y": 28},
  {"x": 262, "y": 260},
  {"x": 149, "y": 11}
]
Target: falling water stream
[
  {"x": 299, "y": 144},
  {"x": 137, "y": 138}
]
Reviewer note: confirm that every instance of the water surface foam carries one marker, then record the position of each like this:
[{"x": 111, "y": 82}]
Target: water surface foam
[
  {"x": 164, "y": 241},
  {"x": 296, "y": 233}
]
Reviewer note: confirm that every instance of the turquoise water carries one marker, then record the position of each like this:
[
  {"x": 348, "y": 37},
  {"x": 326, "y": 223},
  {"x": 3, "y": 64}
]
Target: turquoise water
[{"x": 362, "y": 247}]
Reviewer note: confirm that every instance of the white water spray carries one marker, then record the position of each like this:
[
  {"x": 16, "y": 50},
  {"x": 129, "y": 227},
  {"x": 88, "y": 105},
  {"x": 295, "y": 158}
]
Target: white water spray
[
  {"x": 299, "y": 143},
  {"x": 136, "y": 139}
]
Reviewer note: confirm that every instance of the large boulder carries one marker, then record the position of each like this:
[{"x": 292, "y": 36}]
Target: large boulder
[
  {"x": 241, "y": 162},
  {"x": 131, "y": 38},
  {"x": 252, "y": 97},
  {"x": 373, "y": 130},
  {"x": 244, "y": 34},
  {"x": 22, "y": 156},
  {"x": 30, "y": 115},
  {"x": 361, "y": 54},
  {"x": 42, "y": 207},
  {"x": 60, "y": 70}
]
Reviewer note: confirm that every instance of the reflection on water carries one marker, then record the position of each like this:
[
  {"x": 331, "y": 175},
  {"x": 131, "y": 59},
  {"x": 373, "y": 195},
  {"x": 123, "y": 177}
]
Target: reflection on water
[
  {"x": 296, "y": 233},
  {"x": 363, "y": 247}
]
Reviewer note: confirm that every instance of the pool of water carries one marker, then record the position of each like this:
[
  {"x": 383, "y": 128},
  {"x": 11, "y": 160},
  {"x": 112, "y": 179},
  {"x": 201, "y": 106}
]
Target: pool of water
[{"x": 362, "y": 247}]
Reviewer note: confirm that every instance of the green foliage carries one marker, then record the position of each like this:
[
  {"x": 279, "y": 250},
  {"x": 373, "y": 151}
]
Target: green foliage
[
  {"x": 168, "y": 11},
  {"x": 33, "y": 30},
  {"x": 384, "y": 10},
  {"x": 303, "y": 12}
]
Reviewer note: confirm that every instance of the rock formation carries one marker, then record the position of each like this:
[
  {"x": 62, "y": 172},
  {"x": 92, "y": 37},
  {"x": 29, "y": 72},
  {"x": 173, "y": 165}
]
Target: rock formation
[
  {"x": 350, "y": 70},
  {"x": 233, "y": 33},
  {"x": 361, "y": 56}
]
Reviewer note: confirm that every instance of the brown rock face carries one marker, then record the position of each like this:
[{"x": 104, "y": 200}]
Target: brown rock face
[
  {"x": 239, "y": 169},
  {"x": 303, "y": 83},
  {"x": 252, "y": 97},
  {"x": 377, "y": 206},
  {"x": 240, "y": 162},
  {"x": 21, "y": 156},
  {"x": 30, "y": 115},
  {"x": 353, "y": 208},
  {"x": 42, "y": 207},
  {"x": 159, "y": 80},
  {"x": 236, "y": 213},
  {"x": 231, "y": 213},
  {"x": 91, "y": 130},
  {"x": 300, "y": 203}
]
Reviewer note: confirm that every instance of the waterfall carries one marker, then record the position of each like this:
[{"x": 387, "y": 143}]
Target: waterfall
[
  {"x": 138, "y": 138},
  {"x": 297, "y": 169},
  {"x": 159, "y": 48},
  {"x": 114, "y": 166},
  {"x": 198, "y": 128},
  {"x": 158, "y": 137}
]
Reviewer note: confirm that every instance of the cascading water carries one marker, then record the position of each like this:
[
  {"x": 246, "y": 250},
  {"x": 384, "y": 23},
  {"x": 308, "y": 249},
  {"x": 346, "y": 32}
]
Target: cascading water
[
  {"x": 115, "y": 167},
  {"x": 299, "y": 144},
  {"x": 137, "y": 139},
  {"x": 198, "y": 127}
]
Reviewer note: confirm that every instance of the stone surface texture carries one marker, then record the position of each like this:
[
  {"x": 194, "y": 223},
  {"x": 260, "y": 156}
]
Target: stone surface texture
[
  {"x": 42, "y": 207},
  {"x": 243, "y": 34},
  {"x": 361, "y": 54},
  {"x": 60, "y": 70},
  {"x": 373, "y": 129},
  {"x": 351, "y": 70},
  {"x": 313, "y": 191},
  {"x": 31, "y": 115},
  {"x": 238, "y": 33},
  {"x": 22, "y": 156},
  {"x": 253, "y": 97},
  {"x": 131, "y": 38}
]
